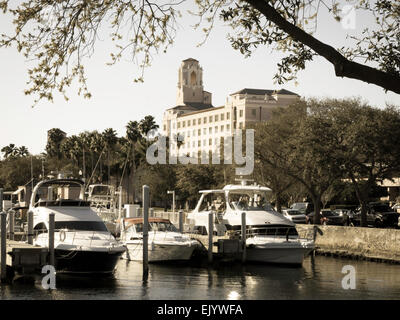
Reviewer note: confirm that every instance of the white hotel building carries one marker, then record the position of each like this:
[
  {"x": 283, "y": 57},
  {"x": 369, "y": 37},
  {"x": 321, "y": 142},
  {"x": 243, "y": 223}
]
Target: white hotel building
[{"x": 200, "y": 125}]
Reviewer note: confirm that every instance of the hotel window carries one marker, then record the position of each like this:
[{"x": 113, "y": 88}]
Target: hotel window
[
  {"x": 188, "y": 134},
  {"x": 240, "y": 125},
  {"x": 254, "y": 112},
  {"x": 204, "y": 142},
  {"x": 179, "y": 125},
  {"x": 216, "y": 118},
  {"x": 188, "y": 123},
  {"x": 222, "y": 117},
  {"x": 199, "y": 132},
  {"x": 222, "y": 128},
  {"x": 194, "y": 133},
  {"x": 210, "y": 118},
  {"x": 204, "y": 130},
  {"x": 216, "y": 129},
  {"x": 194, "y": 122},
  {"x": 216, "y": 141},
  {"x": 193, "y": 144},
  {"x": 199, "y": 121},
  {"x": 228, "y": 126},
  {"x": 228, "y": 115},
  {"x": 165, "y": 127},
  {"x": 205, "y": 120},
  {"x": 210, "y": 142},
  {"x": 183, "y": 124},
  {"x": 210, "y": 130},
  {"x": 199, "y": 143},
  {"x": 240, "y": 113}
]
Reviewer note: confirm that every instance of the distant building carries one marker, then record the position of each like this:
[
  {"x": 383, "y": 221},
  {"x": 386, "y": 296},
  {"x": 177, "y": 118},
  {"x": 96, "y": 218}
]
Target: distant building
[{"x": 201, "y": 125}]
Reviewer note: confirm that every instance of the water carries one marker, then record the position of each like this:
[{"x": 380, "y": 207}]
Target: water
[{"x": 319, "y": 278}]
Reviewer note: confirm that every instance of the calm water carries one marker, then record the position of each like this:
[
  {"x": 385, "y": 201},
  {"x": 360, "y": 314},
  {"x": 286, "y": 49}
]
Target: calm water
[{"x": 319, "y": 278}]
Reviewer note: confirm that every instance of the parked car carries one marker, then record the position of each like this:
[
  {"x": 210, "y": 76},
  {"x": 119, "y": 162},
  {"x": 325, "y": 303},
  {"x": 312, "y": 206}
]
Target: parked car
[
  {"x": 328, "y": 217},
  {"x": 294, "y": 215},
  {"x": 346, "y": 214},
  {"x": 379, "y": 215},
  {"x": 303, "y": 207},
  {"x": 396, "y": 207}
]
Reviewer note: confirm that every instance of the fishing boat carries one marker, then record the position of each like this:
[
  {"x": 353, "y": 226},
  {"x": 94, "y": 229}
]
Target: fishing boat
[
  {"x": 270, "y": 237},
  {"x": 165, "y": 242},
  {"x": 82, "y": 242}
]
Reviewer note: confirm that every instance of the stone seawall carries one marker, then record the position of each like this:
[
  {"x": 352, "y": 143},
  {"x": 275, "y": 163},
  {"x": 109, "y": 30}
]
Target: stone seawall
[{"x": 363, "y": 243}]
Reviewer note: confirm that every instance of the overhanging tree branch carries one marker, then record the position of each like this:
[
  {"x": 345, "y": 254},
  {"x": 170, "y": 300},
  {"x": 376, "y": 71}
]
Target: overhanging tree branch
[{"x": 343, "y": 67}]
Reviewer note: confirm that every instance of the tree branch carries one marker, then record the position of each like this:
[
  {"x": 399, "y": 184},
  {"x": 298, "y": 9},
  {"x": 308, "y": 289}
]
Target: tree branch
[{"x": 343, "y": 67}]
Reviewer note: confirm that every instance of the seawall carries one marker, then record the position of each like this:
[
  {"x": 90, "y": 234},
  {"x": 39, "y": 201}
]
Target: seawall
[{"x": 354, "y": 242}]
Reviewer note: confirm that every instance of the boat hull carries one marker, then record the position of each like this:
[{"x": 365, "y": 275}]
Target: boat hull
[
  {"x": 77, "y": 261},
  {"x": 290, "y": 255},
  {"x": 160, "y": 252}
]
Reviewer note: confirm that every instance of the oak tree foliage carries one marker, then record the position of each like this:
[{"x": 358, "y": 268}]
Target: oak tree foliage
[{"x": 59, "y": 35}]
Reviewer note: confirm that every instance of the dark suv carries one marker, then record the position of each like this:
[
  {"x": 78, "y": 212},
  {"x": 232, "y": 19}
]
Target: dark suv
[{"x": 379, "y": 215}]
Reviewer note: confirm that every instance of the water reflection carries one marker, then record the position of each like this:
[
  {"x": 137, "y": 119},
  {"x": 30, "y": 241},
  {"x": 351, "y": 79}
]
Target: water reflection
[{"x": 319, "y": 278}]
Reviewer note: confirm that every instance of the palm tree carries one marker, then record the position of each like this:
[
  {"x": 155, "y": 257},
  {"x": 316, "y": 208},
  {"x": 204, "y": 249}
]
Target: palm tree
[
  {"x": 110, "y": 139},
  {"x": 133, "y": 135},
  {"x": 54, "y": 138},
  {"x": 146, "y": 125},
  {"x": 8, "y": 150},
  {"x": 23, "y": 151}
]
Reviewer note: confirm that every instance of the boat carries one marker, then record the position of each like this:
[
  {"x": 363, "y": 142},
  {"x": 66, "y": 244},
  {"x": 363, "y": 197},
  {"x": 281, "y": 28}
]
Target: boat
[
  {"x": 103, "y": 199},
  {"x": 270, "y": 237},
  {"x": 82, "y": 243},
  {"x": 165, "y": 242}
]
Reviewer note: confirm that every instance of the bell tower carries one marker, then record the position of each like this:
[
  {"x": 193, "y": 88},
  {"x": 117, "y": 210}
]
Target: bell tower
[{"x": 190, "y": 84}]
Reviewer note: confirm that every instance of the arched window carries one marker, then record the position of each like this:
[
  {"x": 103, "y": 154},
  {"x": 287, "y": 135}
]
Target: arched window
[{"x": 193, "y": 78}]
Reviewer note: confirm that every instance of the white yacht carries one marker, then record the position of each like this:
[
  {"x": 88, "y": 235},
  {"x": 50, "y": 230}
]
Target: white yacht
[
  {"x": 165, "y": 242},
  {"x": 82, "y": 242},
  {"x": 270, "y": 237},
  {"x": 103, "y": 200}
]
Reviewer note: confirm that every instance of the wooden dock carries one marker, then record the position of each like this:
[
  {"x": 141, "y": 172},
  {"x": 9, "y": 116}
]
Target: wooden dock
[{"x": 24, "y": 259}]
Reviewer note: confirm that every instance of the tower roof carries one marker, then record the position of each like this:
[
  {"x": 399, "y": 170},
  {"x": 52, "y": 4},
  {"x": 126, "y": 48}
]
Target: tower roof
[{"x": 190, "y": 59}]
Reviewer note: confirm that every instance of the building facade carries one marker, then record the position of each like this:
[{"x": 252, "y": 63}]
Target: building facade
[{"x": 199, "y": 126}]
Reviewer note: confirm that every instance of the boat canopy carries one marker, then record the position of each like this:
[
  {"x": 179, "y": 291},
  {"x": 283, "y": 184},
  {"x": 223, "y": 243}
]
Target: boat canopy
[
  {"x": 234, "y": 187},
  {"x": 212, "y": 191}
]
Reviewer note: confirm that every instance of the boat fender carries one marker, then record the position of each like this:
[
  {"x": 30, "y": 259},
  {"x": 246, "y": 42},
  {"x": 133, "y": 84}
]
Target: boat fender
[{"x": 62, "y": 235}]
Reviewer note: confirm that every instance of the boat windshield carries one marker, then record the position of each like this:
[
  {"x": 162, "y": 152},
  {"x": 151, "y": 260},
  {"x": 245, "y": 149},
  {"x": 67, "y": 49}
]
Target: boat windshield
[
  {"x": 157, "y": 226},
  {"x": 81, "y": 225},
  {"x": 249, "y": 201}
]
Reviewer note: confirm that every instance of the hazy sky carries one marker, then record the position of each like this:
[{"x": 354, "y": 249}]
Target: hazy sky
[{"x": 117, "y": 99}]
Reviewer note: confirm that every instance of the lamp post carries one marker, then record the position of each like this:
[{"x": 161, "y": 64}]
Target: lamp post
[{"x": 173, "y": 199}]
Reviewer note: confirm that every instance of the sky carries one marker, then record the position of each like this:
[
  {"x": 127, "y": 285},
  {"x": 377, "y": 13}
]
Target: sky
[{"x": 116, "y": 99}]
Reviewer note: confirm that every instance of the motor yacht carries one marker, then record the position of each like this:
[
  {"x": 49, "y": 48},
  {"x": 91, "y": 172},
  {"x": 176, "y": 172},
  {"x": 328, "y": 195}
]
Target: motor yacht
[
  {"x": 165, "y": 242},
  {"x": 82, "y": 242},
  {"x": 103, "y": 200},
  {"x": 270, "y": 237}
]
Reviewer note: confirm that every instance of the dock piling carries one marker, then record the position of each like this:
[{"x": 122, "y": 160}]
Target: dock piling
[
  {"x": 145, "y": 232},
  {"x": 51, "y": 239},
  {"x": 1, "y": 199},
  {"x": 30, "y": 227},
  {"x": 210, "y": 236},
  {"x": 244, "y": 236},
  {"x": 180, "y": 221},
  {"x": 3, "y": 233},
  {"x": 11, "y": 224}
]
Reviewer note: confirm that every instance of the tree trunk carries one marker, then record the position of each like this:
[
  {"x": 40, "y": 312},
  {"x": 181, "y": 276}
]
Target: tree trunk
[
  {"x": 278, "y": 203},
  {"x": 317, "y": 208}
]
